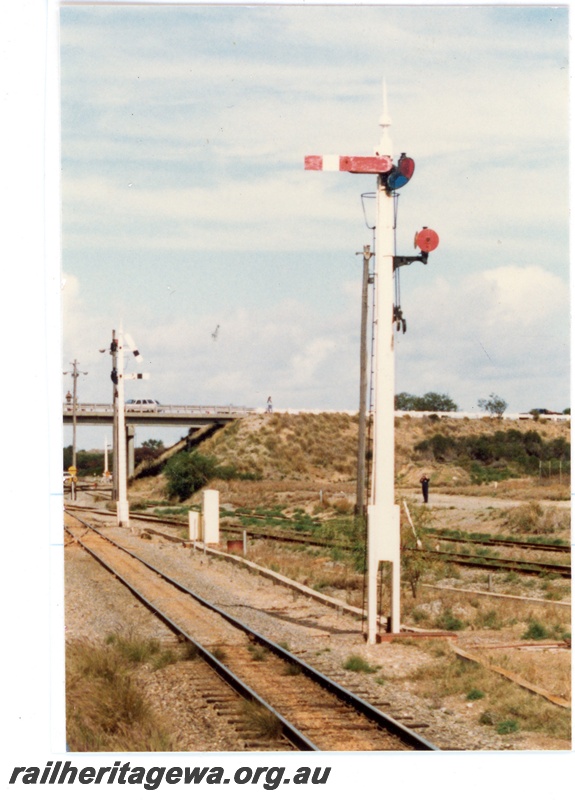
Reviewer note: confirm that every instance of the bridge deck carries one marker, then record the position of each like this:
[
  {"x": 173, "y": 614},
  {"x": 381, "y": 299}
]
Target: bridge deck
[{"x": 183, "y": 416}]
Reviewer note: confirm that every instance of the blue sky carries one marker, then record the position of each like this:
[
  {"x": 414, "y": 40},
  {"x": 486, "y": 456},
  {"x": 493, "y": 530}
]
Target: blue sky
[{"x": 186, "y": 205}]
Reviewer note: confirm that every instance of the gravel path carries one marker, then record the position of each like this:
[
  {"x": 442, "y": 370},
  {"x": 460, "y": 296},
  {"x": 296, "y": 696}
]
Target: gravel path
[{"x": 478, "y": 503}]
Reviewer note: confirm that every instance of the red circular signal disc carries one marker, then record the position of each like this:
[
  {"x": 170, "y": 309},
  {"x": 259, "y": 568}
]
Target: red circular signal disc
[
  {"x": 406, "y": 166},
  {"x": 427, "y": 240}
]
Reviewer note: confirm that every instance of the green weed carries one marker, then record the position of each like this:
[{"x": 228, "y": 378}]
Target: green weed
[
  {"x": 356, "y": 663},
  {"x": 507, "y": 726}
]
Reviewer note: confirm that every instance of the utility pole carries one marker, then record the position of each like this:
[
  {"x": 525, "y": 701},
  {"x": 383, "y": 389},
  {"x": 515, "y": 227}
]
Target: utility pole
[
  {"x": 383, "y": 529},
  {"x": 106, "y": 473},
  {"x": 75, "y": 375},
  {"x": 123, "y": 508},
  {"x": 114, "y": 377},
  {"x": 361, "y": 438}
]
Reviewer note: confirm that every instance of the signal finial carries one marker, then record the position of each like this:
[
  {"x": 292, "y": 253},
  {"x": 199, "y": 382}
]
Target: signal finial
[{"x": 385, "y": 144}]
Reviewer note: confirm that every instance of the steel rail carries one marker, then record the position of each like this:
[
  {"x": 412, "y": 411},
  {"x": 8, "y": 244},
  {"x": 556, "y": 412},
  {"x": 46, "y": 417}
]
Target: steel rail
[
  {"x": 480, "y": 562},
  {"x": 405, "y": 734},
  {"x": 492, "y": 542},
  {"x": 291, "y": 733},
  {"x": 489, "y": 562}
]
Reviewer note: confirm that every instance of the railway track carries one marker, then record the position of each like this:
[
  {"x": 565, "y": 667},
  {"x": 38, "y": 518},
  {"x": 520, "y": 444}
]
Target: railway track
[
  {"x": 479, "y": 562},
  {"x": 494, "y": 563},
  {"x": 495, "y": 542},
  {"x": 250, "y": 665}
]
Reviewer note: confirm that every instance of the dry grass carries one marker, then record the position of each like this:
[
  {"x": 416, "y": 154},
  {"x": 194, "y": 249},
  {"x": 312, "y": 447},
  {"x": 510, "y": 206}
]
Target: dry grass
[
  {"x": 104, "y": 709},
  {"x": 532, "y": 518},
  {"x": 282, "y": 446},
  {"x": 548, "y": 669},
  {"x": 311, "y": 568},
  {"x": 483, "y": 613},
  {"x": 449, "y": 680},
  {"x": 260, "y": 721},
  {"x": 313, "y": 496}
]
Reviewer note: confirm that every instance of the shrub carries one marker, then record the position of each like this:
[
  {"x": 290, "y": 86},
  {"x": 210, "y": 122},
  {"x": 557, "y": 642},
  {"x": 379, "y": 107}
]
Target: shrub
[
  {"x": 501, "y": 455},
  {"x": 525, "y": 518},
  {"x": 186, "y": 473},
  {"x": 448, "y": 622},
  {"x": 536, "y": 630},
  {"x": 475, "y": 694},
  {"x": 480, "y": 474}
]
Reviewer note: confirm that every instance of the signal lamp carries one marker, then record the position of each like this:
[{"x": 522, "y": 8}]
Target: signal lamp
[
  {"x": 426, "y": 239},
  {"x": 400, "y": 174}
]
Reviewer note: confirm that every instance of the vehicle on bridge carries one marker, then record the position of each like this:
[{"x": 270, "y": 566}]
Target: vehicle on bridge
[{"x": 142, "y": 405}]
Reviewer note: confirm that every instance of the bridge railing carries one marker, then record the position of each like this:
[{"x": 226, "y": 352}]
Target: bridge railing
[{"x": 172, "y": 410}]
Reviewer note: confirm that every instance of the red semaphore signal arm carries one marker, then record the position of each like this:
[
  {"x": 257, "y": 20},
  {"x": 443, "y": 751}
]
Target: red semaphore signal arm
[{"x": 362, "y": 165}]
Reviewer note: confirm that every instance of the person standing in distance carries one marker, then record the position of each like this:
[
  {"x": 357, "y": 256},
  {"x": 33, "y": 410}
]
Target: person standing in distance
[{"x": 424, "y": 481}]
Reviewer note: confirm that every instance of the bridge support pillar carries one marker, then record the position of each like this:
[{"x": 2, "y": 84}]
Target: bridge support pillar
[{"x": 130, "y": 436}]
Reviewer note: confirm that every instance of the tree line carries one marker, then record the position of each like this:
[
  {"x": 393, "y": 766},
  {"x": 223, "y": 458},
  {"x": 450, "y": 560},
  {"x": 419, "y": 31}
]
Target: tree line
[
  {"x": 508, "y": 451},
  {"x": 91, "y": 462}
]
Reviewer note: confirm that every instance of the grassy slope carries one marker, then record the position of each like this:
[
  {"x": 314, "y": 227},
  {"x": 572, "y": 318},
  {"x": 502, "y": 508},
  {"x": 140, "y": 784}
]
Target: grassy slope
[
  {"x": 324, "y": 446},
  {"x": 290, "y": 446},
  {"x": 299, "y": 455}
]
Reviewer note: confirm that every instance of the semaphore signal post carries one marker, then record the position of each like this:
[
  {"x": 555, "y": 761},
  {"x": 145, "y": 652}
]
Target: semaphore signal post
[
  {"x": 383, "y": 523},
  {"x": 118, "y": 376}
]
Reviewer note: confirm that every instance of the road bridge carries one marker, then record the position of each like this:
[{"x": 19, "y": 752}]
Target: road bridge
[
  {"x": 200, "y": 420},
  {"x": 157, "y": 415}
]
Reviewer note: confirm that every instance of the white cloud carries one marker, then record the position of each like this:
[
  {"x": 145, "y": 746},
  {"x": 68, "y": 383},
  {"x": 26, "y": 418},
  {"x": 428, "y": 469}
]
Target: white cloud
[
  {"x": 305, "y": 364},
  {"x": 504, "y": 330},
  {"x": 264, "y": 212},
  {"x": 527, "y": 296}
]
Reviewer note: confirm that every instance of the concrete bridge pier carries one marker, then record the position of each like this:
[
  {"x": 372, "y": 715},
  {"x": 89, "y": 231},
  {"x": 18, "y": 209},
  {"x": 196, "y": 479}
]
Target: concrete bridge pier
[{"x": 130, "y": 437}]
